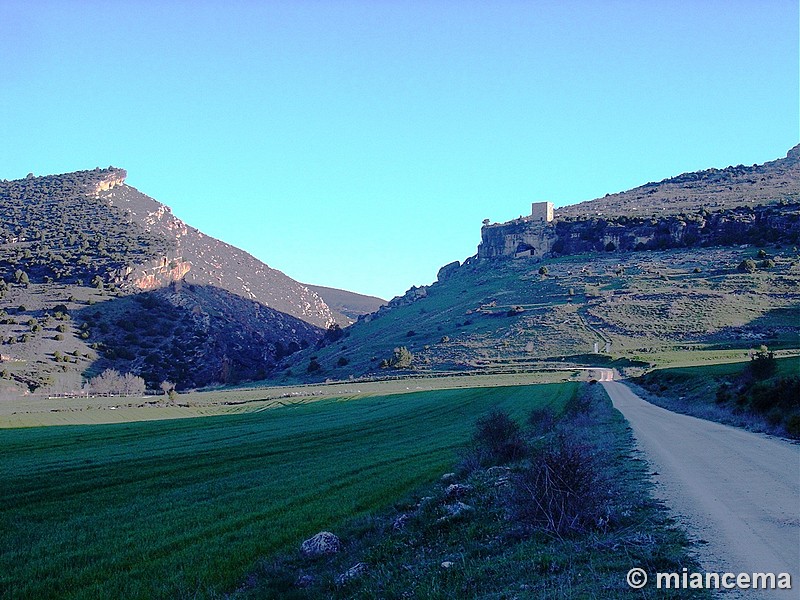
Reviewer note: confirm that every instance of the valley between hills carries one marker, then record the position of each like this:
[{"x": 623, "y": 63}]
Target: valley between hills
[{"x": 177, "y": 416}]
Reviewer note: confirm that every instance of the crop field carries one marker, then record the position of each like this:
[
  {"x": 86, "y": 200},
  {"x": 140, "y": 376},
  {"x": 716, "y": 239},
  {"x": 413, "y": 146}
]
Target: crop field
[
  {"x": 185, "y": 507},
  {"x": 37, "y": 410}
]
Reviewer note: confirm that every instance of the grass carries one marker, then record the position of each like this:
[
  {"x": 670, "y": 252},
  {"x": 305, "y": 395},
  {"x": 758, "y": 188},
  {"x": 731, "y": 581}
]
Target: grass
[
  {"x": 37, "y": 410},
  {"x": 693, "y": 390},
  {"x": 662, "y": 305},
  {"x": 185, "y": 507},
  {"x": 490, "y": 552}
]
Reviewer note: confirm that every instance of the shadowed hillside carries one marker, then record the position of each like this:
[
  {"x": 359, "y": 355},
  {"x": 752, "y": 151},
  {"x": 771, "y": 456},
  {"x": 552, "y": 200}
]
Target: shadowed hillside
[{"x": 78, "y": 250}]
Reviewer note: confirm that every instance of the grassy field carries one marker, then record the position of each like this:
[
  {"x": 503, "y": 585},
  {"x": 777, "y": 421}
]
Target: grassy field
[
  {"x": 185, "y": 507},
  {"x": 495, "y": 550},
  {"x": 37, "y": 410}
]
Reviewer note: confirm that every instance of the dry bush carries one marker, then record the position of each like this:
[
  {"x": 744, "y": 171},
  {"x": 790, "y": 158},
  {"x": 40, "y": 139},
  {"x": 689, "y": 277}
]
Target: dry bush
[{"x": 563, "y": 490}]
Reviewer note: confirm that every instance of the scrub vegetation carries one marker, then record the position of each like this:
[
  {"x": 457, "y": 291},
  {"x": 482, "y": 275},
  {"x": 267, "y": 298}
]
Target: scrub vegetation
[{"x": 762, "y": 394}]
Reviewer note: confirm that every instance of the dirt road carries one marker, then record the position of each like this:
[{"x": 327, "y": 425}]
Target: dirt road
[{"x": 738, "y": 491}]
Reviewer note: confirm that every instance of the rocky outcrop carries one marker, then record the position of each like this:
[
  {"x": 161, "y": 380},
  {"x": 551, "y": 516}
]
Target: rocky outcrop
[
  {"x": 736, "y": 205},
  {"x": 517, "y": 238},
  {"x": 110, "y": 179},
  {"x": 773, "y": 223},
  {"x": 447, "y": 271},
  {"x": 152, "y": 275},
  {"x": 412, "y": 295},
  {"x": 322, "y": 544}
]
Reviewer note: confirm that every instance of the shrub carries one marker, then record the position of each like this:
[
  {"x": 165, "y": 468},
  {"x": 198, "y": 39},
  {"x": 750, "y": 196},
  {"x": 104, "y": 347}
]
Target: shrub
[
  {"x": 748, "y": 265},
  {"x": 793, "y": 426},
  {"x": 542, "y": 270},
  {"x": 342, "y": 362},
  {"x": 401, "y": 358},
  {"x": 333, "y": 334},
  {"x": 497, "y": 440},
  {"x": 541, "y": 420},
  {"x": 763, "y": 364},
  {"x": 563, "y": 491},
  {"x": 313, "y": 366},
  {"x": 723, "y": 394}
]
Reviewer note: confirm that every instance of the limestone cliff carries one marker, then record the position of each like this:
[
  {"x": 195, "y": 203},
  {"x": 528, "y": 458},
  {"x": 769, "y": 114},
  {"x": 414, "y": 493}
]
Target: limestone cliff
[
  {"x": 736, "y": 205},
  {"x": 204, "y": 260}
]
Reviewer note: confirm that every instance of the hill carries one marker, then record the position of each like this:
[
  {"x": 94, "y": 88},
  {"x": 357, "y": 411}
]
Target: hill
[
  {"x": 349, "y": 305},
  {"x": 711, "y": 189},
  {"x": 625, "y": 288},
  {"x": 80, "y": 252}
]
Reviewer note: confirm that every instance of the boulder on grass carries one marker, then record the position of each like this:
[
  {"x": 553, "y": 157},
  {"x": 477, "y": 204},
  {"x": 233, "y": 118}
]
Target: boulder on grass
[{"x": 322, "y": 544}]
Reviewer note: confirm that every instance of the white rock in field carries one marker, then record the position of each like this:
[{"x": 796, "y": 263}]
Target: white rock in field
[
  {"x": 447, "y": 564},
  {"x": 352, "y": 573},
  {"x": 321, "y": 544},
  {"x": 455, "y": 511},
  {"x": 455, "y": 490},
  {"x": 448, "y": 477},
  {"x": 400, "y": 522}
]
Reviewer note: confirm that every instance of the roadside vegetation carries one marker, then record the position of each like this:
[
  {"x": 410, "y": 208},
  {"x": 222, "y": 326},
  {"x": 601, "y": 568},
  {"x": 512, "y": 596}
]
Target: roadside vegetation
[
  {"x": 762, "y": 394},
  {"x": 553, "y": 504}
]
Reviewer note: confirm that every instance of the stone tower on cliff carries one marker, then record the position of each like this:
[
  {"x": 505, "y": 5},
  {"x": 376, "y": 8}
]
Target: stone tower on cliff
[{"x": 542, "y": 211}]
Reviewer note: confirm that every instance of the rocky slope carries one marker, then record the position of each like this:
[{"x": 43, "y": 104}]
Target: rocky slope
[
  {"x": 624, "y": 286},
  {"x": 213, "y": 262},
  {"x": 94, "y": 251},
  {"x": 347, "y": 305}
]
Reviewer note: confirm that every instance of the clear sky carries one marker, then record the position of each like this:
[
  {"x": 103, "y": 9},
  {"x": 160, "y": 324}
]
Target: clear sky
[{"x": 360, "y": 144}]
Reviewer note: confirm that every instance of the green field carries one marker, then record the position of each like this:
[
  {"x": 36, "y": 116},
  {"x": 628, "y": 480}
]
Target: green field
[{"x": 185, "y": 507}]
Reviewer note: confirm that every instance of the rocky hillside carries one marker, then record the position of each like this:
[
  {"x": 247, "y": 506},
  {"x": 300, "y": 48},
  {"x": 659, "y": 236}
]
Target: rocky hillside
[
  {"x": 96, "y": 274},
  {"x": 619, "y": 286},
  {"x": 737, "y": 205},
  {"x": 347, "y": 306},
  {"x": 211, "y": 261},
  {"x": 712, "y": 190}
]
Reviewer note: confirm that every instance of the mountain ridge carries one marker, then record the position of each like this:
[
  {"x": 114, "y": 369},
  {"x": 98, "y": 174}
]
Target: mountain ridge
[
  {"x": 711, "y": 189},
  {"x": 80, "y": 255}
]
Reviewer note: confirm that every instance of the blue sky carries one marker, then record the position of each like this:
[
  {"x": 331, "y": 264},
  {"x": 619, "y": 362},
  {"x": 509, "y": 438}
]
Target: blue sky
[{"x": 360, "y": 144}]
